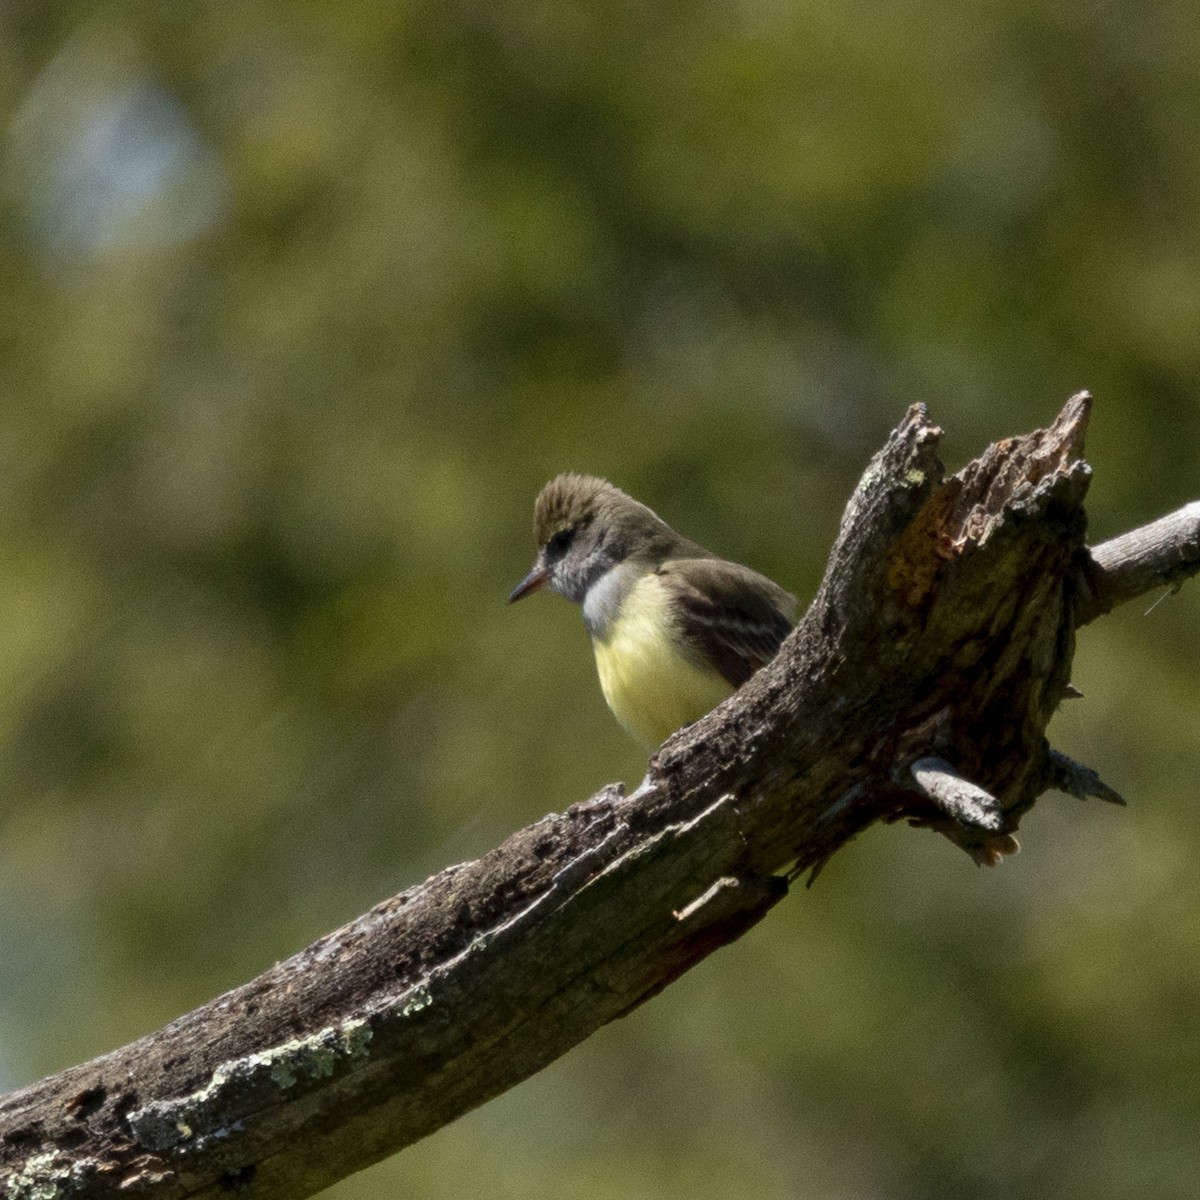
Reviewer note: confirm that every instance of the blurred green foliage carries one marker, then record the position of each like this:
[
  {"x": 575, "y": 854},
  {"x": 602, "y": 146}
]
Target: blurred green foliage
[{"x": 303, "y": 302}]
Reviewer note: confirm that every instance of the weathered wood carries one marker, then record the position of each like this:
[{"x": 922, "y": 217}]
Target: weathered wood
[
  {"x": 942, "y": 634},
  {"x": 974, "y": 815},
  {"x": 1161, "y": 554}
]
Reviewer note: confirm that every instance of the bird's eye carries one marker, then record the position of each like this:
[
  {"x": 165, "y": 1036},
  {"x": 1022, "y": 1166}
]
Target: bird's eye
[{"x": 560, "y": 541}]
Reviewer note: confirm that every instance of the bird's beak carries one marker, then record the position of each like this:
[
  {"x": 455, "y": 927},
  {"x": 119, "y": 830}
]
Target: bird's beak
[{"x": 533, "y": 582}]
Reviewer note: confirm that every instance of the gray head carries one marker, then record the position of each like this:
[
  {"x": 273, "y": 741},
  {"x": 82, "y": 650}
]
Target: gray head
[{"x": 584, "y": 527}]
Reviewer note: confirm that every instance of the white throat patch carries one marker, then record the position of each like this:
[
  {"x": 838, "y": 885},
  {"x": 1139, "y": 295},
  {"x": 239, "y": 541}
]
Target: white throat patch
[{"x": 604, "y": 598}]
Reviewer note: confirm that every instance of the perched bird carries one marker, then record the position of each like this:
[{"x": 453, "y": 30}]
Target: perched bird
[{"x": 675, "y": 628}]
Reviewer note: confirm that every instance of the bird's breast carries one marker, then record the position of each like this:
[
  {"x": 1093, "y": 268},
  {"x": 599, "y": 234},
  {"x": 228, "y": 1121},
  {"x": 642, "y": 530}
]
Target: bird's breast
[{"x": 650, "y": 684}]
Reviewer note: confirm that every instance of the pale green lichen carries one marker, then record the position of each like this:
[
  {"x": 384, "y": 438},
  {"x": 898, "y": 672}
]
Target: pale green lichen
[
  {"x": 163, "y": 1124},
  {"x": 46, "y": 1177},
  {"x": 312, "y": 1057},
  {"x": 416, "y": 1000}
]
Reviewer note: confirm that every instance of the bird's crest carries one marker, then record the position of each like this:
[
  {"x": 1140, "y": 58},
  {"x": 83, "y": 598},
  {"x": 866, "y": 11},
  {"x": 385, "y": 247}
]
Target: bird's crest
[{"x": 567, "y": 501}]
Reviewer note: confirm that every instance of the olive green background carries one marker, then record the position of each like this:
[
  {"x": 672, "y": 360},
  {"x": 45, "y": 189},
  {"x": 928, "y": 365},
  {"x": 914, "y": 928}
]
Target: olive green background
[{"x": 301, "y": 303}]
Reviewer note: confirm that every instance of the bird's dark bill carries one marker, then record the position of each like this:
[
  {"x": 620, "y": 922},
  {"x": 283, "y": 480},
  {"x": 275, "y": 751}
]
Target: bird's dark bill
[{"x": 533, "y": 582}]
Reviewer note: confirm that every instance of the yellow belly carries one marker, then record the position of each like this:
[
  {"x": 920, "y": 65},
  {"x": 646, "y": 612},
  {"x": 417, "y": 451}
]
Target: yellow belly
[{"x": 650, "y": 687}]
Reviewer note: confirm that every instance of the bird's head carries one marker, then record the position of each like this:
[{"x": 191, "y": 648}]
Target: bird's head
[{"x": 584, "y": 527}]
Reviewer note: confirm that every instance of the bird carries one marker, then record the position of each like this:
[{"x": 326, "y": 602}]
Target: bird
[{"x": 675, "y": 628}]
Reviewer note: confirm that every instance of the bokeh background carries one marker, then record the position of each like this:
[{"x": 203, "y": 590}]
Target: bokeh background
[{"x": 300, "y": 303}]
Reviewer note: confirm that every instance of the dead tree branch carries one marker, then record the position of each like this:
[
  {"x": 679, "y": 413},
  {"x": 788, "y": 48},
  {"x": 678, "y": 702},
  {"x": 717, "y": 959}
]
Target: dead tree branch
[
  {"x": 918, "y": 685},
  {"x": 1161, "y": 554}
]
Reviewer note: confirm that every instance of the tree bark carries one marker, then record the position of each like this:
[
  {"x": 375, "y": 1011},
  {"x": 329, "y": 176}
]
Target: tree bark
[{"x": 918, "y": 685}]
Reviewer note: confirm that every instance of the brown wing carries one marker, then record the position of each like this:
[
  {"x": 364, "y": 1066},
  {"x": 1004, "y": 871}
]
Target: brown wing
[{"x": 733, "y": 618}]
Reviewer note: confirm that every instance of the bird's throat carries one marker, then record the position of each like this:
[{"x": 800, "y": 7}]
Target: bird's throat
[{"x": 605, "y": 599}]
